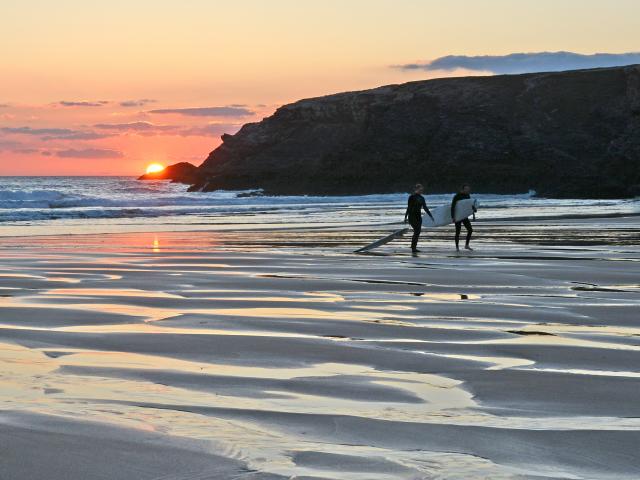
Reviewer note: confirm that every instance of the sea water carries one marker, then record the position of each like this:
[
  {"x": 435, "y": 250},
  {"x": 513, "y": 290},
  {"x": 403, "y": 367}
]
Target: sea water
[{"x": 60, "y": 205}]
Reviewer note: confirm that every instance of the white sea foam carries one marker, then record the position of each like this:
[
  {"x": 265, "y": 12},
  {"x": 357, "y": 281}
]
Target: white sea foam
[{"x": 41, "y": 200}]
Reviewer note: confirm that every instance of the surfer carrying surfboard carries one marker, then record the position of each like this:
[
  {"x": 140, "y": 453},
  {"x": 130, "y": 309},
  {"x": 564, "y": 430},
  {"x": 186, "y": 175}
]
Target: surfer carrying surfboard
[
  {"x": 413, "y": 215},
  {"x": 463, "y": 194}
]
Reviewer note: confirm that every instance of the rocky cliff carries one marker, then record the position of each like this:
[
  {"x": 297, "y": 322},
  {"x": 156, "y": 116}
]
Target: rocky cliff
[{"x": 571, "y": 134}]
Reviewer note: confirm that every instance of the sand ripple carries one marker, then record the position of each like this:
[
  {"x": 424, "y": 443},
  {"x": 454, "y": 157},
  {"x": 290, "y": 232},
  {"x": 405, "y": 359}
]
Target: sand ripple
[{"x": 509, "y": 363}]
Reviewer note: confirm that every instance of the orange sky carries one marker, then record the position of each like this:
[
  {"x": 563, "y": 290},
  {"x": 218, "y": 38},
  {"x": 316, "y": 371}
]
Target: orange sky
[{"x": 82, "y": 81}]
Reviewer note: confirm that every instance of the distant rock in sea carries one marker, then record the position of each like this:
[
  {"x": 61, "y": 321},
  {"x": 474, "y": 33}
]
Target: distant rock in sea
[
  {"x": 183, "y": 172},
  {"x": 562, "y": 134}
]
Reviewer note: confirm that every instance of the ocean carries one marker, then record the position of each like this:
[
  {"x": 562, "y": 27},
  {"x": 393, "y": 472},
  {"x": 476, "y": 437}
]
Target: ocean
[{"x": 67, "y": 205}]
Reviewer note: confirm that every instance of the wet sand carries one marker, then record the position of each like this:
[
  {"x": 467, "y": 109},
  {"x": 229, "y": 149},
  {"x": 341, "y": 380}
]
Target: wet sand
[{"x": 281, "y": 354}]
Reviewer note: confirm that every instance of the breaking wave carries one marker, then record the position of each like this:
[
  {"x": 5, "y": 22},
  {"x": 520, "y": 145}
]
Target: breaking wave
[{"x": 42, "y": 199}]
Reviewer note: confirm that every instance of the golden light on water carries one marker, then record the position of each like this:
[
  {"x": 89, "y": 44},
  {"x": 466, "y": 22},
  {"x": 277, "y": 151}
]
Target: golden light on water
[{"x": 155, "y": 168}]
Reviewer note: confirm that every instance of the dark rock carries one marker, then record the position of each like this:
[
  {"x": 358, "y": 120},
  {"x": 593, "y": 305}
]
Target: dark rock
[
  {"x": 563, "y": 134},
  {"x": 183, "y": 172},
  {"x": 196, "y": 187}
]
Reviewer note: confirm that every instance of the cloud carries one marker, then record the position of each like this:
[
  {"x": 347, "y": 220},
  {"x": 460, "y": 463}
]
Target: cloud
[
  {"x": 141, "y": 128},
  {"x": 80, "y": 135},
  {"x": 55, "y": 133},
  {"x": 133, "y": 126},
  {"x": 83, "y": 103},
  {"x": 4, "y": 105},
  {"x": 526, "y": 62},
  {"x": 211, "y": 130},
  {"x": 97, "y": 153},
  {"x": 137, "y": 103},
  {"x": 228, "y": 111},
  {"x": 149, "y": 129},
  {"x": 36, "y": 131},
  {"x": 9, "y": 144},
  {"x": 26, "y": 151}
]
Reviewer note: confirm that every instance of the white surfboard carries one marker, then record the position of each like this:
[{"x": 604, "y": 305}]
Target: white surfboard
[
  {"x": 441, "y": 217},
  {"x": 442, "y": 214}
]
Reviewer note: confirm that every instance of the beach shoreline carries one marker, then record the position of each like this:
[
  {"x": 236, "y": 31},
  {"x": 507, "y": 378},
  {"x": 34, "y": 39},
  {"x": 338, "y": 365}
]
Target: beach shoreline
[{"x": 272, "y": 354}]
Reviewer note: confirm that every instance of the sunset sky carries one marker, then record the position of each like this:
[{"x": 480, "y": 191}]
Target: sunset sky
[{"x": 95, "y": 88}]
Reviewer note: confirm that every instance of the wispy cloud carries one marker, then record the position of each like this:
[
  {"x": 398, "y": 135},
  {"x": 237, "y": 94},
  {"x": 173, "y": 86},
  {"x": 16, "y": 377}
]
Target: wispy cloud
[
  {"x": 55, "y": 133},
  {"x": 228, "y": 111},
  {"x": 25, "y": 151},
  {"x": 526, "y": 62},
  {"x": 83, "y": 103},
  {"x": 80, "y": 135},
  {"x": 9, "y": 144},
  {"x": 94, "y": 153},
  {"x": 37, "y": 131},
  {"x": 211, "y": 130},
  {"x": 148, "y": 129},
  {"x": 137, "y": 127},
  {"x": 137, "y": 103}
]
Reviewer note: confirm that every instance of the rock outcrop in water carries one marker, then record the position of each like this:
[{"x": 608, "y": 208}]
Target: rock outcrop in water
[
  {"x": 183, "y": 172},
  {"x": 564, "y": 134}
]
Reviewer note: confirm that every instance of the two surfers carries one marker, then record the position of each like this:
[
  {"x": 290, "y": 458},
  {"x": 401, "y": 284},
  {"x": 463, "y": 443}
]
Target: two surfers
[{"x": 413, "y": 215}]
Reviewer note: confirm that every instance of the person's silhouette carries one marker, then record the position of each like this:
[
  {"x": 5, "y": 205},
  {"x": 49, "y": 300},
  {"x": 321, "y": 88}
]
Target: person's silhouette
[
  {"x": 463, "y": 194},
  {"x": 413, "y": 215}
]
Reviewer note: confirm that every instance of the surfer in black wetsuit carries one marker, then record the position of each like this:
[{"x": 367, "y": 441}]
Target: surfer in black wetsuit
[
  {"x": 463, "y": 194},
  {"x": 413, "y": 215}
]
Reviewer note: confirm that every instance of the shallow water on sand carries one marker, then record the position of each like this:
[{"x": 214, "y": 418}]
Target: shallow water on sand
[{"x": 290, "y": 355}]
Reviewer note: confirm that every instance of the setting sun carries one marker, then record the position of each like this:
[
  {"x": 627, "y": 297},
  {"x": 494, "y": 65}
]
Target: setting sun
[{"x": 155, "y": 168}]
